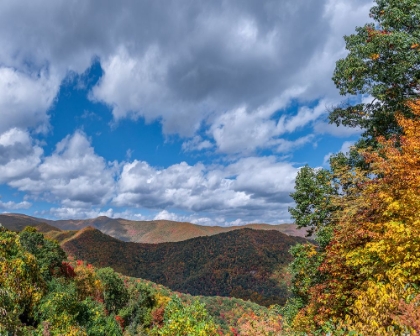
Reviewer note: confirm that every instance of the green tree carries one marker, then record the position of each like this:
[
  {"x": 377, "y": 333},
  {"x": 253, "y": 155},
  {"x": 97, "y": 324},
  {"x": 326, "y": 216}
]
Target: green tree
[
  {"x": 383, "y": 62},
  {"x": 48, "y": 253},
  {"x": 313, "y": 192},
  {"x": 114, "y": 291},
  {"x": 137, "y": 313},
  {"x": 186, "y": 320},
  {"x": 62, "y": 313}
]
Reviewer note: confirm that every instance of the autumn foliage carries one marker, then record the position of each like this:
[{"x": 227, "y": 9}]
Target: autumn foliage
[{"x": 372, "y": 264}]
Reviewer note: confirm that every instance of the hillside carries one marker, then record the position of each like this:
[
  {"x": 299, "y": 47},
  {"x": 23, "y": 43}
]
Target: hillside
[
  {"x": 94, "y": 301},
  {"x": 156, "y": 231},
  {"x": 246, "y": 264},
  {"x": 16, "y": 222}
]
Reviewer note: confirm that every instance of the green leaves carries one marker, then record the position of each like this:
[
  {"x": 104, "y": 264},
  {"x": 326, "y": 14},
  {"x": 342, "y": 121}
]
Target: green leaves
[
  {"x": 48, "y": 253},
  {"x": 115, "y": 293},
  {"x": 186, "y": 320},
  {"x": 383, "y": 62},
  {"x": 313, "y": 191}
]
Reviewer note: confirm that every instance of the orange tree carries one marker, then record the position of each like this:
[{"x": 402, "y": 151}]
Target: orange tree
[{"x": 372, "y": 265}]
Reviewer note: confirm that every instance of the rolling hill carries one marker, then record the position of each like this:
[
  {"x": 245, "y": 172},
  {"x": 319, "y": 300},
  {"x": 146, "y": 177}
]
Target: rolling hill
[
  {"x": 156, "y": 231},
  {"x": 17, "y": 222},
  {"x": 247, "y": 264}
]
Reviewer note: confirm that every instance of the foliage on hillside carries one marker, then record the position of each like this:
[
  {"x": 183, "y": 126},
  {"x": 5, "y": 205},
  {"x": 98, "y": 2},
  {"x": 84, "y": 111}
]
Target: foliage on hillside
[
  {"x": 41, "y": 293},
  {"x": 240, "y": 263}
]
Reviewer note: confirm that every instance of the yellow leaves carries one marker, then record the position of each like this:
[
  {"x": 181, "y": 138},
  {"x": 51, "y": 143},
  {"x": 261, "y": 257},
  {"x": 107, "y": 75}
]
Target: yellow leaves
[
  {"x": 376, "y": 310},
  {"x": 375, "y": 252},
  {"x": 415, "y": 46},
  {"x": 374, "y": 57}
]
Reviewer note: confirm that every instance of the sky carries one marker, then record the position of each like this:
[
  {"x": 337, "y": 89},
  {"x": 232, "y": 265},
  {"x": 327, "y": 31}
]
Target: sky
[{"x": 187, "y": 110}]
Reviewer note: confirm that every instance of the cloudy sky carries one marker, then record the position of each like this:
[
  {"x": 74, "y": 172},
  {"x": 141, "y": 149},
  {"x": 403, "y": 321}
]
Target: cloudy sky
[{"x": 191, "y": 110}]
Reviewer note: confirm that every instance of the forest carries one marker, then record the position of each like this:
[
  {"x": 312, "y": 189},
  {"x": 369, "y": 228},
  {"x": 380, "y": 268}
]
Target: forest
[
  {"x": 242, "y": 263},
  {"x": 360, "y": 276},
  {"x": 45, "y": 293}
]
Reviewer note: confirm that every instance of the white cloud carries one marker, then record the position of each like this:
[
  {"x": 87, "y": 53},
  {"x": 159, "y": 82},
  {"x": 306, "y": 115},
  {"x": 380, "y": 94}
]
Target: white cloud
[
  {"x": 178, "y": 64},
  {"x": 15, "y": 206},
  {"x": 228, "y": 68},
  {"x": 83, "y": 183},
  {"x": 233, "y": 58},
  {"x": 19, "y": 156},
  {"x": 73, "y": 174},
  {"x": 284, "y": 146},
  {"x": 345, "y": 147},
  {"x": 322, "y": 127},
  {"x": 305, "y": 115},
  {"x": 25, "y": 99},
  {"x": 247, "y": 188},
  {"x": 196, "y": 144},
  {"x": 243, "y": 131}
]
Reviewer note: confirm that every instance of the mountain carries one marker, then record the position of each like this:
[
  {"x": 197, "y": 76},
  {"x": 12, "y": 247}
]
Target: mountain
[
  {"x": 17, "y": 222},
  {"x": 156, "y": 231},
  {"x": 247, "y": 264}
]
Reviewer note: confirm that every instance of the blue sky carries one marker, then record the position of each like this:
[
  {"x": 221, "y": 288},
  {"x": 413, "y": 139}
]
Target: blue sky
[{"x": 185, "y": 110}]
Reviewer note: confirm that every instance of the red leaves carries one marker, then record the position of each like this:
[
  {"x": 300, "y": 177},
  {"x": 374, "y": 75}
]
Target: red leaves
[
  {"x": 120, "y": 321},
  {"x": 157, "y": 316},
  {"x": 67, "y": 270}
]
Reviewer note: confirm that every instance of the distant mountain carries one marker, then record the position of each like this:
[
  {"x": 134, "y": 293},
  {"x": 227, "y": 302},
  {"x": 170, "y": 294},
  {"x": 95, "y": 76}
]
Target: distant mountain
[
  {"x": 156, "y": 231},
  {"x": 247, "y": 264},
  {"x": 17, "y": 222}
]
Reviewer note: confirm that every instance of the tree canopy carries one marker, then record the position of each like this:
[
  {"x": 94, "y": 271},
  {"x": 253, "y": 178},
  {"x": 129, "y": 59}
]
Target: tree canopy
[{"x": 383, "y": 63}]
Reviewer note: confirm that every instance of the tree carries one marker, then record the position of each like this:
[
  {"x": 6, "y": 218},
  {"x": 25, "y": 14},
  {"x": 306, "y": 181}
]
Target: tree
[
  {"x": 137, "y": 314},
  {"x": 48, "y": 253},
  {"x": 383, "y": 62},
  {"x": 372, "y": 265},
  {"x": 114, "y": 291},
  {"x": 313, "y": 192},
  {"x": 21, "y": 283},
  {"x": 186, "y": 320}
]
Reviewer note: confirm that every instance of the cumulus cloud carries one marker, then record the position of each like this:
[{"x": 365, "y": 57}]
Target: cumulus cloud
[
  {"x": 322, "y": 127},
  {"x": 243, "y": 131},
  {"x": 19, "y": 156},
  {"x": 83, "y": 183},
  {"x": 228, "y": 70},
  {"x": 15, "y": 206},
  {"x": 78, "y": 213},
  {"x": 247, "y": 188},
  {"x": 225, "y": 54},
  {"x": 209, "y": 221},
  {"x": 25, "y": 99},
  {"x": 73, "y": 174},
  {"x": 272, "y": 217},
  {"x": 180, "y": 64}
]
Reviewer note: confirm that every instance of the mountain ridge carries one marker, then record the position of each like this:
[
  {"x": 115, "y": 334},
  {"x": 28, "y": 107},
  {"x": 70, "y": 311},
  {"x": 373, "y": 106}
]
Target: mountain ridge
[{"x": 155, "y": 231}]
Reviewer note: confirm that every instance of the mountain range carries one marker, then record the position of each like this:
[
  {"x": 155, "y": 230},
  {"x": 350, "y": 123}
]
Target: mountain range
[{"x": 155, "y": 231}]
